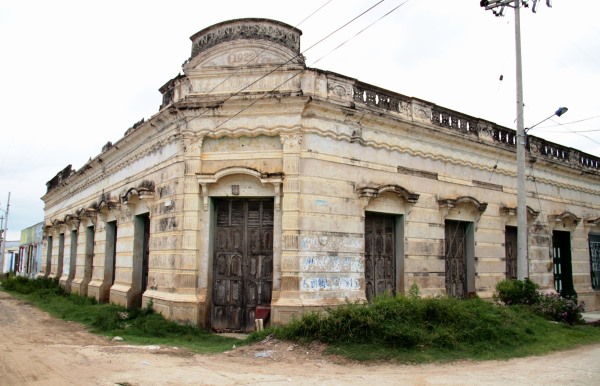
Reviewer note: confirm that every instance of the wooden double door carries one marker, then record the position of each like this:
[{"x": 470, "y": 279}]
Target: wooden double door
[
  {"x": 243, "y": 263},
  {"x": 456, "y": 265},
  {"x": 380, "y": 254}
]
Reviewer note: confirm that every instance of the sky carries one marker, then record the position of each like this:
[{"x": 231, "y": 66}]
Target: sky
[{"x": 77, "y": 74}]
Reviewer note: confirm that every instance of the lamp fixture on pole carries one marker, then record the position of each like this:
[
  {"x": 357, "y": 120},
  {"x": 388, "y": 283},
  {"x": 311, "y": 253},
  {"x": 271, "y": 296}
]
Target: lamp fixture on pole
[{"x": 558, "y": 113}]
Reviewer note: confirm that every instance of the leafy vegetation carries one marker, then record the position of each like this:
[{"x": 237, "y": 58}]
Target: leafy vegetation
[
  {"x": 412, "y": 329},
  {"x": 404, "y": 329},
  {"x": 142, "y": 326},
  {"x": 550, "y": 306},
  {"x": 511, "y": 292}
]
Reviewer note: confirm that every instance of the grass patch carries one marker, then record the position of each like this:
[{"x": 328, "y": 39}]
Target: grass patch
[
  {"x": 434, "y": 329},
  {"x": 140, "y": 326},
  {"x": 400, "y": 329}
]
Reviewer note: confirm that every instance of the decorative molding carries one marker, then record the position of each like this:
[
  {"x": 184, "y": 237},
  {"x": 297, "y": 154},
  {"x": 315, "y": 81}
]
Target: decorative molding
[
  {"x": 564, "y": 217},
  {"x": 592, "y": 222},
  {"x": 274, "y": 179},
  {"x": 401, "y": 192},
  {"x": 291, "y": 141},
  {"x": 450, "y": 203},
  {"x": 144, "y": 192},
  {"x": 487, "y": 185},
  {"x": 512, "y": 212},
  {"x": 435, "y": 153},
  {"x": 417, "y": 172},
  {"x": 247, "y": 29}
]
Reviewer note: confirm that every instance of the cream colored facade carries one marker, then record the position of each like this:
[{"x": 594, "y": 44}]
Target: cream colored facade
[{"x": 247, "y": 119}]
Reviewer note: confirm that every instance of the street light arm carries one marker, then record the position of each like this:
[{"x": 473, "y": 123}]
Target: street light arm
[{"x": 558, "y": 113}]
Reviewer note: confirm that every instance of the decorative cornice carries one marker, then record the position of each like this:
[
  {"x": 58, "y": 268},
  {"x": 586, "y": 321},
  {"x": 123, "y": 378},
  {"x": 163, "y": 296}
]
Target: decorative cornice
[
  {"x": 592, "y": 222},
  {"x": 450, "y": 203},
  {"x": 255, "y": 29},
  {"x": 511, "y": 212},
  {"x": 435, "y": 153},
  {"x": 401, "y": 192},
  {"x": 274, "y": 179},
  {"x": 564, "y": 216},
  {"x": 123, "y": 162}
]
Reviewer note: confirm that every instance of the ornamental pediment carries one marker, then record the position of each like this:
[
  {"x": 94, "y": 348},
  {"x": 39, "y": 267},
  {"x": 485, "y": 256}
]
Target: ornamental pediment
[
  {"x": 244, "y": 54},
  {"x": 245, "y": 42}
]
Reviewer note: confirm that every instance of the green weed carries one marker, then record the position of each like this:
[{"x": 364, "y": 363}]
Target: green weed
[{"x": 138, "y": 325}]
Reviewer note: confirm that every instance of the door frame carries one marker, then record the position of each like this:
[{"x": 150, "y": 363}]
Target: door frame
[
  {"x": 398, "y": 250},
  {"x": 250, "y": 184},
  {"x": 469, "y": 254},
  {"x": 597, "y": 237},
  {"x": 564, "y": 267},
  {"x": 246, "y": 253}
]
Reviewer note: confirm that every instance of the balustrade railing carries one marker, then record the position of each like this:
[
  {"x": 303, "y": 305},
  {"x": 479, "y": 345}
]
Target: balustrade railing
[
  {"x": 452, "y": 119},
  {"x": 378, "y": 98},
  {"x": 389, "y": 101}
]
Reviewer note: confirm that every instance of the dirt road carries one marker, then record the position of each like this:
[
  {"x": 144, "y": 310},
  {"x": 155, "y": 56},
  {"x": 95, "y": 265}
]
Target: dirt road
[{"x": 36, "y": 349}]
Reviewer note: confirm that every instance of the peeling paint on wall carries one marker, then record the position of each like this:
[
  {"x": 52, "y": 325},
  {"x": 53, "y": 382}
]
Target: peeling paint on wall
[
  {"x": 332, "y": 264},
  {"x": 330, "y": 284},
  {"x": 333, "y": 243}
]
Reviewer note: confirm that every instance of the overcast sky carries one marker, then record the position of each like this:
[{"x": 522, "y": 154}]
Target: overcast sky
[{"x": 76, "y": 74}]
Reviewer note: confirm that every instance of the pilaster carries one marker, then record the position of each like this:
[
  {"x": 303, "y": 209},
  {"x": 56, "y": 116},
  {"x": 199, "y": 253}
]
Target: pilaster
[
  {"x": 289, "y": 294},
  {"x": 97, "y": 286},
  {"x": 124, "y": 261}
]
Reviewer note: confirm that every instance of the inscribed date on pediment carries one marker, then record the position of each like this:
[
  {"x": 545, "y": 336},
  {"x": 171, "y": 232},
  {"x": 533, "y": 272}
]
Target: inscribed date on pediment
[{"x": 244, "y": 57}]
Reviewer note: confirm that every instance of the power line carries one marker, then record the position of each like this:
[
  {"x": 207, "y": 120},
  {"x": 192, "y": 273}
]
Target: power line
[
  {"x": 571, "y": 123},
  {"x": 264, "y": 76},
  {"x": 576, "y": 132},
  {"x": 178, "y": 125},
  {"x": 361, "y": 31},
  {"x": 301, "y": 71}
]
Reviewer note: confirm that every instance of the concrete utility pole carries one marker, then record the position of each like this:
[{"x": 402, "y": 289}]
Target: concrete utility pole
[
  {"x": 497, "y": 7},
  {"x": 3, "y": 236}
]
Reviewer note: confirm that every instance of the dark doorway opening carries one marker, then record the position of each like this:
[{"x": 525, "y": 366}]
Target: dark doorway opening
[
  {"x": 510, "y": 246},
  {"x": 594, "y": 241},
  {"x": 141, "y": 253},
  {"x": 561, "y": 256}
]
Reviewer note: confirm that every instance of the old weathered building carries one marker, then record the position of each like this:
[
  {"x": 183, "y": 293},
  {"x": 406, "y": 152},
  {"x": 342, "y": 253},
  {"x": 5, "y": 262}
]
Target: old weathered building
[
  {"x": 263, "y": 188},
  {"x": 30, "y": 251}
]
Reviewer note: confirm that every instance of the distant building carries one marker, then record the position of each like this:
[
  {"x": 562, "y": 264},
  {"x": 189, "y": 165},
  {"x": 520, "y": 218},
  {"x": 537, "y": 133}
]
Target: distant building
[
  {"x": 30, "y": 251},
  {"x": 11, "y": 256},
  {"x": 263, "y": 188}
]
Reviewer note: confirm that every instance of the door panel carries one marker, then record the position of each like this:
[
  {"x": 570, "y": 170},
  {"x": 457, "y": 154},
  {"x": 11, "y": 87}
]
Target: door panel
[
  {"x": 510, "y": 244},
  {"x": 595, "y": 260},
  {"x": 380, "y": 255},
  {"x": 456, "y": 268},
  {"x": 243, "y": 262}
]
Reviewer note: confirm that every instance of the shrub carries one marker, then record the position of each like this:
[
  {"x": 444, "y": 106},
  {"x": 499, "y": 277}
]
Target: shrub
[
  {"x": 512, "y": 291},
  {"x": 40, "y": 286},
  {"x": 550, "y": 306},
  {"x": 557, "y": 308},
  {"x": 409, "y": 323}
]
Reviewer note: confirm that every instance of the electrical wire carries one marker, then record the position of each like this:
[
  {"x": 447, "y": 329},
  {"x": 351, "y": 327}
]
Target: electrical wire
[
  {"x": 569, "y": 123},
  {"x": 178, "y": 125}
]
